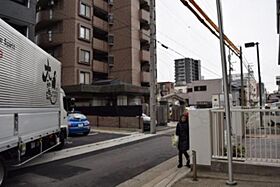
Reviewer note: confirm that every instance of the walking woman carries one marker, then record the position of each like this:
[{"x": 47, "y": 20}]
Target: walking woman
[{"x": 182, "y": 131}]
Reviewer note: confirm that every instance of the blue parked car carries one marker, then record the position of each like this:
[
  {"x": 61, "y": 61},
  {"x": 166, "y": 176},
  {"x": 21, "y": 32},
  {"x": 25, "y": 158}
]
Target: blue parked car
[{"x": 78, "y": 124}]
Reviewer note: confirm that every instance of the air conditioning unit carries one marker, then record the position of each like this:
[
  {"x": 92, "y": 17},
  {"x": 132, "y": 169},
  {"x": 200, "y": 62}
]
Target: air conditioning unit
[
  {"x": 110, "y": 19},
  {"x": 111, "y": 60},
  {"x": 111, "y": 39}
]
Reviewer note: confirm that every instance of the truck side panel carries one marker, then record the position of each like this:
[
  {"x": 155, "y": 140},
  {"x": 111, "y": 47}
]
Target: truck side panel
[
  {"x": 7, "y": 137},
  {"x": 34, "y": 125},
  {"x": 29, "y": 89}
]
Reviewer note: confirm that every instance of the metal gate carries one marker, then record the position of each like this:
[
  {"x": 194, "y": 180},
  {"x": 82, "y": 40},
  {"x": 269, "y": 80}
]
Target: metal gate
[{"x": 255, "y": 135}]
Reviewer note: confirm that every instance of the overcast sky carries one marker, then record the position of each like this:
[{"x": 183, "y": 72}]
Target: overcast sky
[{"x": 244, "y": 21}]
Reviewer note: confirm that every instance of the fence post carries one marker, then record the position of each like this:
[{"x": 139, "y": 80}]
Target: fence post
[{"x": 194, "y": 166}]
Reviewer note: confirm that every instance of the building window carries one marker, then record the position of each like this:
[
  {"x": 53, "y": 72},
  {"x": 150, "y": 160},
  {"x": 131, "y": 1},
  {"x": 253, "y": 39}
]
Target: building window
[
  {"x": 84, "y": 33},
  {"x": 84, "y": 57},
  {"x": 84, "y": 10},
  {"x": 189, "y": 90},
  {"x": 84, "y": 77},
  {"x": 200, "y": 88},
  {"x": 50, "y": 35}
]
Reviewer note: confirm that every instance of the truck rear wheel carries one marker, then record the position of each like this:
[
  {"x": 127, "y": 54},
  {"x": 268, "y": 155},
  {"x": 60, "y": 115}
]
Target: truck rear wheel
[{"x": 3, "y": 172}]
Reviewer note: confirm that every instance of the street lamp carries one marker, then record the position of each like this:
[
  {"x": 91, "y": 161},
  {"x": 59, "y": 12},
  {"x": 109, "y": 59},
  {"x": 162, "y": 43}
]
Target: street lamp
[{"x": 252, "y": 44}]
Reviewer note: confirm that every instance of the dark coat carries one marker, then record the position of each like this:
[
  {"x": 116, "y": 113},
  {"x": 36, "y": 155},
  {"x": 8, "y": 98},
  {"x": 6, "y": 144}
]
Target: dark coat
[{"x": 182, "y": 130}]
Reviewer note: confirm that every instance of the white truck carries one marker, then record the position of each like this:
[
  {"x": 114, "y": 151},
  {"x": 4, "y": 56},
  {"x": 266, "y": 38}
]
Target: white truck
[{"x": 32, "y": 117}]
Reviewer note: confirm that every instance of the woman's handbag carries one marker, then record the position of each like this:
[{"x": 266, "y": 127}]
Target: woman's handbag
[{"x": 174, "y": 140}]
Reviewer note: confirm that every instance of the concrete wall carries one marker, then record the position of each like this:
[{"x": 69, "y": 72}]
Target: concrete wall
[
  {"x": 200, "y": 135},
  {"x": 116, "y": 122}
]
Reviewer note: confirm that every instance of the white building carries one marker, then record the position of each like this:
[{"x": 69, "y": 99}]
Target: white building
[{"x": 199, "y": 93}]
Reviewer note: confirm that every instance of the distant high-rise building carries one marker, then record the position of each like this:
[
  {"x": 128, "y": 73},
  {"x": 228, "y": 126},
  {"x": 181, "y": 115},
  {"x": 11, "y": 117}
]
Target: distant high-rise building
[
  {"x": 20, "y": 14},
  {"x": 187, "y": 70}
]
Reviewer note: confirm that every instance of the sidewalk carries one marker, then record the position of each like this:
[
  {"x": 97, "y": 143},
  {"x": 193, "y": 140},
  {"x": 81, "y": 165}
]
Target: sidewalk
[
  {"x": 162, "y": 175},
  {"x": 217, "y": 179}
]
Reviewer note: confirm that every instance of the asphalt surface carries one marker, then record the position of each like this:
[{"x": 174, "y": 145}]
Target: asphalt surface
[
  {"x": 103, "y": 168},
  {"x": 93, "y": 137}
]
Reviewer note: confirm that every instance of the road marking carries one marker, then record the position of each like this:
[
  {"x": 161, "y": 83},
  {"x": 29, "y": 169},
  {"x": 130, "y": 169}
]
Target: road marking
[{"x": 92, "y": 133}]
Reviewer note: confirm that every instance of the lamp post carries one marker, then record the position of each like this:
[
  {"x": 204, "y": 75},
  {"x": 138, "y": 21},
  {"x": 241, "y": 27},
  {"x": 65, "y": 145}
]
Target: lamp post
[{"x": 253, "y": 44}]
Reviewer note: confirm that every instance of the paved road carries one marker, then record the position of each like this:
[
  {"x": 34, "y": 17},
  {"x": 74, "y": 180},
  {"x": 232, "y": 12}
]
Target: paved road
[
  {"x": 104, "y": 168},
  {"x": 93, "y": 137}
]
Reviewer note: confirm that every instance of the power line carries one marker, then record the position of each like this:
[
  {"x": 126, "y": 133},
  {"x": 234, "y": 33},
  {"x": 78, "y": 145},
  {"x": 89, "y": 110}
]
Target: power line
[{"x": 166, "y": 47}]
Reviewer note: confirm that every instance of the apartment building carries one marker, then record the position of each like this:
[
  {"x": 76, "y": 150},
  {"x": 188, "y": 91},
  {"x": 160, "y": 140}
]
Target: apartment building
[
  {"x": 20, "y": 14},
  {"x": 186, "y": 71},
  {"x": 250, "y": 89},
  {"x": 101, "y": 43}
]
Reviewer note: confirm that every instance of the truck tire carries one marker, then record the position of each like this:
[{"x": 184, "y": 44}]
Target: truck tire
[{"x": 3, "y": 172}]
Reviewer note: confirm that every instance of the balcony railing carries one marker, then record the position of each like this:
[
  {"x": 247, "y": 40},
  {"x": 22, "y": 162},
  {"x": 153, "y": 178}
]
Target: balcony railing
[
  {"x": 99, "y": 66},
  {"x": 144, "y": 16},
  {"x": 145, "y": 77},
  {"x": 46, "y": 18},
  {"x": 144, "y": 35},
  {"x": 49, "y": 39},
  {"x": 101, "y": 4},
  {"x": 144, "y": 56},
  {"x": 100, "y": 45},
  {"x": 99, "y": 23}
]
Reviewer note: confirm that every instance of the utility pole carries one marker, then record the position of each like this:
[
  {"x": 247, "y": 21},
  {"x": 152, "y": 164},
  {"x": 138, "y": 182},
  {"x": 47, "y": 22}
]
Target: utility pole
[
  {"x": 242, "y": 91},
  {"x": 153, "y": 67},
  {"x": 230, "y": 69},
  {"x": 241, "y": 77},
  {"x": 226, "y": 94}
]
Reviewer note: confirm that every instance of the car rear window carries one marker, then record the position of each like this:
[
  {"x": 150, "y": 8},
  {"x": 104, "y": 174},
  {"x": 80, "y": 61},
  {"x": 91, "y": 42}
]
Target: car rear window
[{"x": 76, "y": 116}]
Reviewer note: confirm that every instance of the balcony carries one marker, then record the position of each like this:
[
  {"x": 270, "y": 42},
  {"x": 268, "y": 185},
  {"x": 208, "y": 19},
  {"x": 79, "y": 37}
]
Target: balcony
[
  {"x": 100, "y": 45},
  {"x": 144, "y": 35},
  {"x": 46, "y": 18},
  {"x": 99, "y": 23},
  {"x": 46, "y": 40},
  {"x": 99, "y": 66},
  {"x": 101, "y": 4},
  {"x": 145, "y": 77},
  {"x": 144, "y": 56},
  {"x": 145, "y": 4},
  {"x": 144, "y": 16}
]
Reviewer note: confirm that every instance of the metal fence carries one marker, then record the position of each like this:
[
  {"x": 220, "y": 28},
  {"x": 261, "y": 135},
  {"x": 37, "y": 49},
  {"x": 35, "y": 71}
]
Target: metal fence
[{"x": 255, "y": 135}]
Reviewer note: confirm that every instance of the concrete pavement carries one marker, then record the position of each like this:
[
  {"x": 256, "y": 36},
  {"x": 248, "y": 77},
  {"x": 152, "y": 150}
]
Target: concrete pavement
[
  {"x": 104, "y": 168},
  {"x": 217, "y": 179},
  {"x": 83, "y": 149},
  {"x": 163, "y": 175}
]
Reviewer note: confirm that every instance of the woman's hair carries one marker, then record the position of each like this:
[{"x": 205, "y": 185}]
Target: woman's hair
[{"x": 186, "y": 117}]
